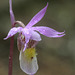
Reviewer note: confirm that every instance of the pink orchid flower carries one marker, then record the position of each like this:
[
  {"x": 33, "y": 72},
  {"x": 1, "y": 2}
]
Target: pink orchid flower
[{"x": 26, "y": 35}]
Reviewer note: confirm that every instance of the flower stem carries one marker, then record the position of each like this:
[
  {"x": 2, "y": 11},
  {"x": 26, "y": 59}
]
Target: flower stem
[
  {"x": 11, "y": 55},
  {"x": 12, "y": 39}
]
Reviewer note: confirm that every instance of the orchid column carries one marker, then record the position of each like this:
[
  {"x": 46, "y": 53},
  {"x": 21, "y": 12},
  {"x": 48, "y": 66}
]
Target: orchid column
[{"x": 28, "y": 38}]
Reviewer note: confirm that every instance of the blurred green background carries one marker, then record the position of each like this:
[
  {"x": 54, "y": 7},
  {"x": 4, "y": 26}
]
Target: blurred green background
[{"x": 56, "y": 56}]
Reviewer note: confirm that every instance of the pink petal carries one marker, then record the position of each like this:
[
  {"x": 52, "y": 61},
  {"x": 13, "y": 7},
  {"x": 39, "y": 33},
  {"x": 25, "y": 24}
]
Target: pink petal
[
  {"x": 27, "y": 35},
  {"x": 37, "y": 17},
  {"x": 13, "y": 31},
  {"x": 49, "y": 32},
  {"x": 11, "y": 13},
  {"x": 25, "y": 47}
]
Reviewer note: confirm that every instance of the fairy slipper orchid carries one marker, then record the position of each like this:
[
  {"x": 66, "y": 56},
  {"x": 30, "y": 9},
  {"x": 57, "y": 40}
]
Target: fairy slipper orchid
[{"x": 28, "y": 38}]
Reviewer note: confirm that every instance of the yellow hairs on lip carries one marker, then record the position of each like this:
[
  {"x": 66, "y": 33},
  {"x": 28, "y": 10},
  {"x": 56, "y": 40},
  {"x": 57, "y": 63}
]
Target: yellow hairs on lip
[{"x": 30, "y": 53}]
